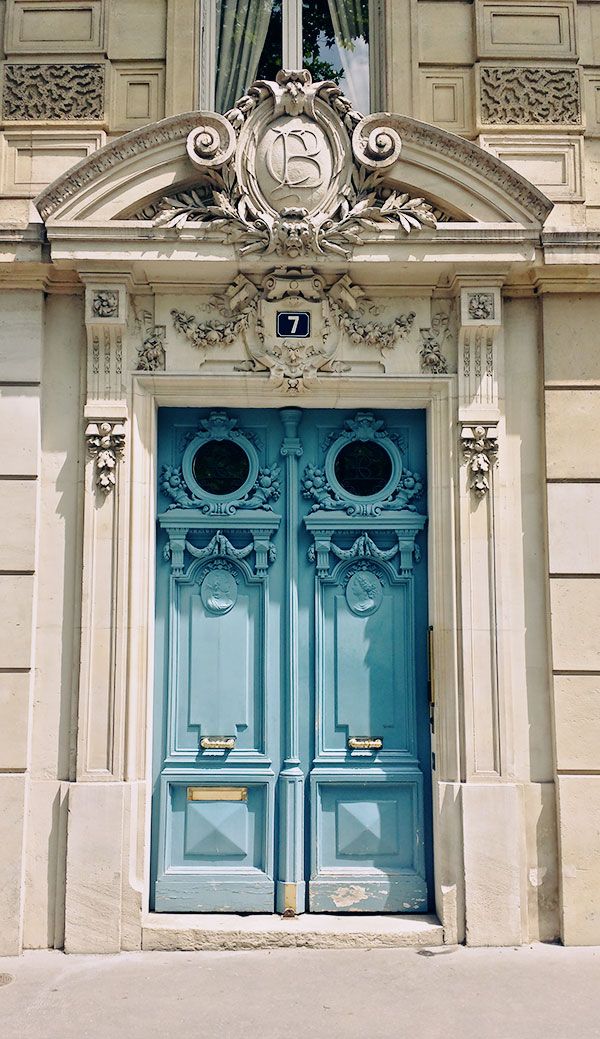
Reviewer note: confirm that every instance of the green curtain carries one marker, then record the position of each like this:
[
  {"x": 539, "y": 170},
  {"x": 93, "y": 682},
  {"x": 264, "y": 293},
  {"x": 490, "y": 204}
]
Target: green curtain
[
  {"x": 242, "y": 27},
  {"x": 350, "y": 19}
]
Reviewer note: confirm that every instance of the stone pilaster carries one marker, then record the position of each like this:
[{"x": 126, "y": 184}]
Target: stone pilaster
[
  {"x": 491, "y": 806},
  {"x": 103, "y": 655}
]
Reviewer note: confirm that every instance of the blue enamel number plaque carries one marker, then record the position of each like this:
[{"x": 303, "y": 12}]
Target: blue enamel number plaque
[{"x": 293, "y": 324}]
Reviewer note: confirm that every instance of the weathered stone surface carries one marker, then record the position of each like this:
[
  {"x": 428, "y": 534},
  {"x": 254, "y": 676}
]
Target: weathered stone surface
[
  {"x": 493, "y": 850},
  {"x": 579, "y": 828},
  {"x": 94, "y": 868},
  {"x": 209, "y": 933}
]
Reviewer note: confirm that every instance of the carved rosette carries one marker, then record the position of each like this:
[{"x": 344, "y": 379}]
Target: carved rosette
[
  {"x": 480, "y": 453},
  {"x": 105, "y": 444}
]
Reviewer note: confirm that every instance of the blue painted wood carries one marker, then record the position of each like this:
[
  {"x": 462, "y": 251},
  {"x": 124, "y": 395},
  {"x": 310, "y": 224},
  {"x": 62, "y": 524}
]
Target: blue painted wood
[{"x": 291, "y": 619}]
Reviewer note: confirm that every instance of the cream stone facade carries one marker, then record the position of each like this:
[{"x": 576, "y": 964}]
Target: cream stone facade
[{"x": 475, "y": 295}]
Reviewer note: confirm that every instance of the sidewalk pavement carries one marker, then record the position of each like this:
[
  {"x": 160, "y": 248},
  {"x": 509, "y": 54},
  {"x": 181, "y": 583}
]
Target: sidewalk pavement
[{"x": 538, "y": 992}]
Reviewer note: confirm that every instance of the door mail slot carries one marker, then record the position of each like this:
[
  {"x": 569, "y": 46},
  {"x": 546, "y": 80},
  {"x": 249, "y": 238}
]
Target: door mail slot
[
  {"x": 365, "y": 743},
  {"x": 217, "y": 793}
]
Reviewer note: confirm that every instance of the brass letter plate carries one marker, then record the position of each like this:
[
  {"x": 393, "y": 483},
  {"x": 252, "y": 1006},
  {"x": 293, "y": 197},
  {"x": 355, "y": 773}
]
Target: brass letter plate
[
  {"x": 365, "y": 743},
  {"x": 217, "y": 793}
]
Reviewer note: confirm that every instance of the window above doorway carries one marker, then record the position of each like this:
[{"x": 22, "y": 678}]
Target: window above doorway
[{"x": 246, "y": 40}]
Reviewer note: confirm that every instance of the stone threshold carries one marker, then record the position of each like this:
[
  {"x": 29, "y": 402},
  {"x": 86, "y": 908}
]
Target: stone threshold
[{"x": 213, "y": 932}]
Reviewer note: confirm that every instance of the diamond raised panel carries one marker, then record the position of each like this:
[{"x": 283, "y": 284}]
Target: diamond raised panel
[
  {"x": 216, "y": 830},
  {"x": 367, "y": 828}
]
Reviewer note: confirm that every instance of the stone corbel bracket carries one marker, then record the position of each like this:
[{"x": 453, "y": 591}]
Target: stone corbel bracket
[{"x": 106, "y": 311}]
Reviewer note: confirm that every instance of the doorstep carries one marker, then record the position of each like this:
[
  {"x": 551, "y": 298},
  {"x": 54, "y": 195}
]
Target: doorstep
[{"x": 172, "y": 931}]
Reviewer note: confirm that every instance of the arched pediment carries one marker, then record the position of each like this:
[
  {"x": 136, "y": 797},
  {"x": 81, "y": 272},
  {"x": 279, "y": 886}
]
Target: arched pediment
[{"x": 291, "y": 170}]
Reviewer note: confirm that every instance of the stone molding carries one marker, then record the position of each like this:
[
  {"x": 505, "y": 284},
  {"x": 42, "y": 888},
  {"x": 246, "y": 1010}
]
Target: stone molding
[
  {"x": 53, "y": 91},
  {"x": 411, "y": 131}
]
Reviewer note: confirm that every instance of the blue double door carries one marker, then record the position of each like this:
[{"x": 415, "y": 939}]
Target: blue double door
[{"x": 291, "y": 738}]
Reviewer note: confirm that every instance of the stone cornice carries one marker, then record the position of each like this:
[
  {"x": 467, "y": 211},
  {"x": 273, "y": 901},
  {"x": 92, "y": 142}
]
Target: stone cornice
[
  {"x": 465, "y": 152},
  {"x": 177, "y": 128},
  {"x": 173, "y": 128}
]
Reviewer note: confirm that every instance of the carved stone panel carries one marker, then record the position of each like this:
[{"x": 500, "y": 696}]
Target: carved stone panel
[
  {"x": 53, "y": 92},
  {"x": 526, "y": 95}
]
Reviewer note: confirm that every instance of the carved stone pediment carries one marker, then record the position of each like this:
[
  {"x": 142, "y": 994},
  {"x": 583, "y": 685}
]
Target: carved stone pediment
[{"x": 293, "y": 171}]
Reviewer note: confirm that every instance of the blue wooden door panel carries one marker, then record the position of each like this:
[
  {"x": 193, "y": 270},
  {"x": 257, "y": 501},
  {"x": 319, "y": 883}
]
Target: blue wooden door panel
[{"x": 291, "y": 662}]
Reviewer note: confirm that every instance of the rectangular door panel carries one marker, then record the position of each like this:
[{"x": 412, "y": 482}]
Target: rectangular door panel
[
  {"x": 215, "y": 847},
  {"x": 368, "y": 843},
  {"x": 363, "y": 659}
]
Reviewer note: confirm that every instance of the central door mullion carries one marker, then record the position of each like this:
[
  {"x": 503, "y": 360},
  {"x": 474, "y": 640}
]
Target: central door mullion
[{"x": 291, "y": 888}]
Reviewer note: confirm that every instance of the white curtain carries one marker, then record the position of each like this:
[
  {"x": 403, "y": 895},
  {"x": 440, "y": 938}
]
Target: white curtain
[
  {"x": 242, "y": 27},
  {"x": 351, "y": 29}
]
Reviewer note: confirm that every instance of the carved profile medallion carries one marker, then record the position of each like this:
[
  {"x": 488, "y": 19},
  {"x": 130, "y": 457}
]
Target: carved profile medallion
[
  {"x": 219, "y": 591},
  {"x": 364, "y": 593}
]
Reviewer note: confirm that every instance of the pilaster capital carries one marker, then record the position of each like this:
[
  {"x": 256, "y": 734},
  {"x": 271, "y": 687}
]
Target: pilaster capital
[
  {"x": 106, "y": 315},
  {"x": 479, "y": 342}
]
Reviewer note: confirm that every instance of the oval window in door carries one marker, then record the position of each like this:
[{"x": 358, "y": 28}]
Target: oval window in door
[
  {"x": 220, "y": 467},
  {"x": 363, "y": 468}
]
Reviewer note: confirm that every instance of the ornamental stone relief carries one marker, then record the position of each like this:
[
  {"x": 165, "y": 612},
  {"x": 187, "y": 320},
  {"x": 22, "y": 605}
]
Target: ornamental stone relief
[
  {"x": 295, "y": 172},
  {"x": 524, "y": 95},
  {"x": 53, "y": 92},
  {"x": 333, "y": 314},
  {"x": 105, "y": 444}
]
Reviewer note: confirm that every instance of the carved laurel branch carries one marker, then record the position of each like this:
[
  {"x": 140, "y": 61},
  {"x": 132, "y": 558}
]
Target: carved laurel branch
[
  {"x": 220, "y": 204},
  {"x": 480, "y": 452},
  {"x": 105, "y": 444}
]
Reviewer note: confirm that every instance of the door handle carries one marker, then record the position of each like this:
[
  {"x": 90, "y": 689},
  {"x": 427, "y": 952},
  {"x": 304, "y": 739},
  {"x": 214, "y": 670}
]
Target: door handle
[
  {"x": 217, "y": 742},
  {"x": 365, "y": 743}
]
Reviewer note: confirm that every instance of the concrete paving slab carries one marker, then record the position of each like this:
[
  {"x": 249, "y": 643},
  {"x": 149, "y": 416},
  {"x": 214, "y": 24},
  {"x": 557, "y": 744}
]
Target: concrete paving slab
[
  {"x": 538, "y": 992},
  {"x": 172, "y": 931}
]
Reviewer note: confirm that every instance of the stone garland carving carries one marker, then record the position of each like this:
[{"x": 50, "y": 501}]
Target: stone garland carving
[
  {"x": 53, "y": 92},
  {"x": 528, "y": 95},
  {"x": 480, "y": 452},
  {"x": 434, "y": 341},
  {"x": 105, "y": 303},
  {"x": 294, "y": 363},
  {"x": 265, "y": 492},
  {"x": 105, "y": 444},
  {"x": 363, "y": 331},
  {"x": 481, "y": 306},
  {"x": 152, "y": 355},
  {"x": 218, "y": 550}
]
